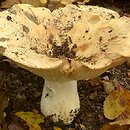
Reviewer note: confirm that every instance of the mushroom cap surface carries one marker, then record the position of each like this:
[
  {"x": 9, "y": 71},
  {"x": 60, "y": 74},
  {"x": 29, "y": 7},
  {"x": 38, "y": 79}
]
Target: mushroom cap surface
[{"x": 74, "y": 42}]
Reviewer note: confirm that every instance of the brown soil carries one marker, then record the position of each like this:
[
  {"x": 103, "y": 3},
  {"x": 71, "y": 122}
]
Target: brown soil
[{"x": 24, "y": 89}]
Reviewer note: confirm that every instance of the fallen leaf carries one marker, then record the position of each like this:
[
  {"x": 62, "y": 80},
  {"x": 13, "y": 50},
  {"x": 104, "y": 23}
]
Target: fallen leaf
[
  {"x": 86, "y": 1},
  {"x": 128, "y": 74},
  {"x": 117, "y": 106},
  {"x": 108, "y": 86},
  {"x": 32, "y": 119},
  {"x": 115, "y": 127},
  {"x": 121, "y": 122},
  {"x": 35, "y": 3},
  {"x": 43, "y": 1},
  {"x": 57, "y": 128},
  {"x": 8, "y": 3},
  {"x": 66, "y": 2},
  {"x": 124, "y": 118},
  {"x": 115, "y": 103}
]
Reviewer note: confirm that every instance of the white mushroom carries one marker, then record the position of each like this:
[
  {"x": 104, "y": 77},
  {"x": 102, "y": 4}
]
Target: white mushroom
[{"x": 64, "y": 46}]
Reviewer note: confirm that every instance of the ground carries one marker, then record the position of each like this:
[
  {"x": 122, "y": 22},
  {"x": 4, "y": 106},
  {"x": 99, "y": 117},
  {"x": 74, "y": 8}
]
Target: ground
[{"x": 24, "y": 89}]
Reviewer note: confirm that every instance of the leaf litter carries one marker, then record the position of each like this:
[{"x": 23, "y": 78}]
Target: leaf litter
[{"x": 32, "y": 119}]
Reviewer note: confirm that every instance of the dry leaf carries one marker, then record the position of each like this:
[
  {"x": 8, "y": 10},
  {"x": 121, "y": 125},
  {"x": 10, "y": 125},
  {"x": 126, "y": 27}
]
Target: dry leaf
[
  {"x": 121, "y": 122},
  {"x": 86, "y": 1},
  {"x": 124, "y": 118},
  {"x": 66, "y": 2},
  {"x": 128, "y": 74},
  {"x": 117, "y": 106},
  {"x": 32, "y": 119},
  {"x": 57, "y": 128},
  {"x": 108, "y": 86},
  {"x": 115, "y": 103},
  {"x": 115, "y": 127},
  {"x": 8, "y": 3},
  {"x": 35, "y": 3}
]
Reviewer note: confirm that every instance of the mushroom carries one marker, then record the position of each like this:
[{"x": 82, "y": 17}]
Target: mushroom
[{"x": 69, "y": 44}]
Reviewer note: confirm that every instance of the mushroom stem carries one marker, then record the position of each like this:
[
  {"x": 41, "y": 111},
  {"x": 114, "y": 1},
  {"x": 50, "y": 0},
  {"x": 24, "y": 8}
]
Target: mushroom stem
[{"x": 60, "y": 100}]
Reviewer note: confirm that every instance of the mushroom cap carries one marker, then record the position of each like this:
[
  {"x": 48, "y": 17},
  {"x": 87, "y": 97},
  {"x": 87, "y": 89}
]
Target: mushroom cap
[{"x": 74, "y": 42}]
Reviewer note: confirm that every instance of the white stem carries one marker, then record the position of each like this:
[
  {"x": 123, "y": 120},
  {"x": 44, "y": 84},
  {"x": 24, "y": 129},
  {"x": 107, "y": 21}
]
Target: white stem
[{"x": 60, "y": 100}]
